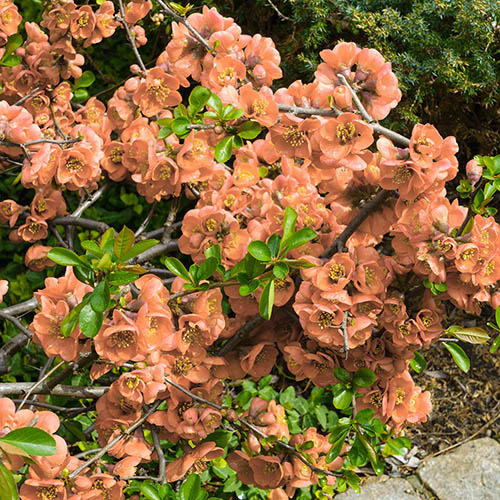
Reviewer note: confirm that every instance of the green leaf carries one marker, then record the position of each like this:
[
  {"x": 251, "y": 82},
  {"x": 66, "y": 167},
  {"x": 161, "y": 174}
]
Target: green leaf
[
  {"x": 260, "y": 251},
  {"x": 224, "y": 149},
  {"x": 138, "y": 248},
  {"x": 342, "y": 374},
  {"x": 396, "y": 446},
  {"x": 8, "y": 489},
  {"x": 214, "y": 251},
  {"x": 336, "y": 448},
  {"x": 80, "y": 95},
  {"x": 122, "y": 278},
  {"x": 459, "y": 356},
  {"x": 215, "y": 103},
  {"x": 343, "y": 399},
  {"x": 150, "y": 491},
  {"x": 280, "y": 270},
  {"x": 65, "y": 257},
  {"x": 299, "y": 238},
  {"x": 86, "y": 80},
  {"x": 249, "y": 130},
  {"x": 177, "y": 267},
  {"x": 497, "y": 316},
  {"x": 248, "y": 288},
  {"x": 191, "y": 488},
  {"x": 352, "y": 480},
  {"x": 107, "y": 240},
  {"x": 473, "y": 335},
  {"x": 10, "y": 61},
  {"x": 299, "y": 264},
  {"x": 495, "y": 345},
  {"x": 123, "y": 243},
  {"x": 364, "y": 416},
  {"x": 13, "y": 43},
  {"x": 364, "y": 377},
  {"x": 274, "y": 244},
  {"x": 321, "y": 415},
  {"x": 267, "y": 300},
  {"x": 233, "y": 115},
  {"x": 90, "y": 321},
  {"x": 287, "y": 397},
  {"x": 418, "y": 363},
  {"x": 93, "y": 248},
  {"x": 179, "y": 126},
  {"x": 32, "y": 440},
  {"x": 289, "y": 221},
  {"x": 100, "y": 297},
  {"x": 70, "y": 322},
  {"x": 207, "y": 268},
  {"x": 198, "y": 99}
]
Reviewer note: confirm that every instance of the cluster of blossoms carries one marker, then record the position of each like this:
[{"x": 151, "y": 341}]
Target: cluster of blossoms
[{"x": 324, "y": 166}]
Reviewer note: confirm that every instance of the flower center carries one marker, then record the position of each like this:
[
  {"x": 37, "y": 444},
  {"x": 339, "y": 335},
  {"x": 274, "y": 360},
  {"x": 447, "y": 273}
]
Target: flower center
[
  {"x": 47, "y": 492},
  {"x": 325, "y": 319},
  {"x": 294, "y": 137},
  {"x": 182, "y": 366},
  {"x": 337, "y": 271},
  {"x": 123, "y": 339},
  {"x": 74, "y": 164},
  {"x": 345, "y": 132},
  {"x": 192, "y": 334}
]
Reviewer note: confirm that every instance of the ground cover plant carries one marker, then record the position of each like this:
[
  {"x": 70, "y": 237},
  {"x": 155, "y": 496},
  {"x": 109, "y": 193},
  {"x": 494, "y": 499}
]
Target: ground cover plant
[{"x": 230, "y": 283}]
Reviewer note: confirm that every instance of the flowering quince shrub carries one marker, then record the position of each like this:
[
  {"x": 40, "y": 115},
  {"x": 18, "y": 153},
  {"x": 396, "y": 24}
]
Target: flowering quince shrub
[{"x": 267, "y": 351}]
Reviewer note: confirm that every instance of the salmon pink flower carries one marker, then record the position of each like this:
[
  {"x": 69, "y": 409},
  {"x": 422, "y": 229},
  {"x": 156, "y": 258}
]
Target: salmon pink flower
[
  {"x": 119, "y": 342},
  {"x": 157, "y": 92},
  {"x": 193, "y": 461}
]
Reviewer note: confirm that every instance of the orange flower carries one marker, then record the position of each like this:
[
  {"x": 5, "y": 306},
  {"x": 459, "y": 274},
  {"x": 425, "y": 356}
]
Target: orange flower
[
  {"x": 194, "y": 461},
  {"x": 157, "y": 92}
]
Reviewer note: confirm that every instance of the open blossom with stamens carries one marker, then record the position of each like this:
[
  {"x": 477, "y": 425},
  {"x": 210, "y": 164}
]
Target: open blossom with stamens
[
  {"x": 157, "y": 92},
  {"x": 193, "y": 461}
]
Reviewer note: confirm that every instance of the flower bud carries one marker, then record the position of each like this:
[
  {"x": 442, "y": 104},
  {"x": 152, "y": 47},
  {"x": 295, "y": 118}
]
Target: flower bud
[
  {"x": 474, "y": 171},
  {"x": 342, "y": 97}
]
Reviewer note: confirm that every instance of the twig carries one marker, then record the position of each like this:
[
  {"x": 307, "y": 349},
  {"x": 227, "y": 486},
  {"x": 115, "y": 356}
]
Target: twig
[
  {"x": 16, "y": 322},
  {"x": 218, "y": 284},
  {"x": 250, "y": 426},
  {"x": 40, "y": 141},
  {"x": 366, "y": 116},
  {"x": 56, "y": 124},
  {"x": 157, "y": 250},
  {"x": 26, "y": 97},
  {"x": 147, "y": 220},
  {"x": 161, "y": 457},
  {"x": 39, "y": 383},
  {"x": 72, "y": 411},
  {"x": 339, "y": 244},
  {"x": 186, "y": 23},
  {"x": 344, "y": 333},
  {"x": 158, "y": 232},
  {"x": 130, "y": 36},
  {"x": 95, "y": 196},
  {"x": 285, "y": 18},
  {"x": 168, "y": 226},
  {"x": 250, "y": 325},
  {"x": 59, "y": 239},
  {"x": 472, "y": 436},
  {"x": 377, "y": 128},
  {"x": 117, "y": 439},
  {"x": 69, "y": 220},
  {"x": 70, "y": 391}
]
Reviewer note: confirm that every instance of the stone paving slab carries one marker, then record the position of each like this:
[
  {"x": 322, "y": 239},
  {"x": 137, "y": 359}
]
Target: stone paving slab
[
  {"x": 384, "y": 488},
  {"x": 470, "y": 472}
]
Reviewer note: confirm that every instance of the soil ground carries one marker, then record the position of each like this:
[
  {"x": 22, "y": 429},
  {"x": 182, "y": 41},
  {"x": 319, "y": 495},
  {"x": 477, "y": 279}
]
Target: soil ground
[{"x": 464, "y": 404}]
